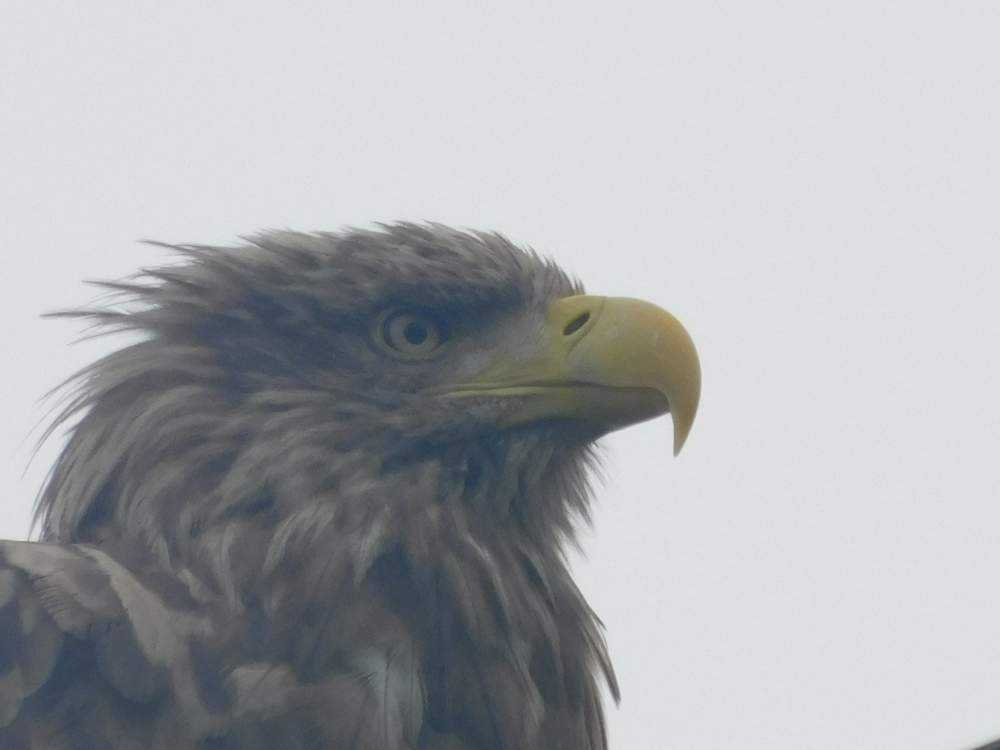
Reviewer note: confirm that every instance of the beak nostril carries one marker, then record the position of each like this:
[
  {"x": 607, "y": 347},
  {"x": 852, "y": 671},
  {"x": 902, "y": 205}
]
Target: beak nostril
[{"x": 576, "y": 324}]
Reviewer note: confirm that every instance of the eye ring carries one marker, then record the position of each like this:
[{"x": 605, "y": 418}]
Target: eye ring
[{"x": 409, "y": 334}]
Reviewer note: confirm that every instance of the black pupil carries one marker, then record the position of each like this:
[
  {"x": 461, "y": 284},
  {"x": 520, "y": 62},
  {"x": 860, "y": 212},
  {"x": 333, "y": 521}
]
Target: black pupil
[{"x": 415, "y": 333}]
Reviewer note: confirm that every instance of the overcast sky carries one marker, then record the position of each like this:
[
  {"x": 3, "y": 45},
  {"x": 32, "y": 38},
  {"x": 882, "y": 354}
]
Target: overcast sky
[{"x": 811, "y": 187}]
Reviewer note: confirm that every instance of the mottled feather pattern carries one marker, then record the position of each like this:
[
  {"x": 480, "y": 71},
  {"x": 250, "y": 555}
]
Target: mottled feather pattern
[{"x": 260, "y": 533}]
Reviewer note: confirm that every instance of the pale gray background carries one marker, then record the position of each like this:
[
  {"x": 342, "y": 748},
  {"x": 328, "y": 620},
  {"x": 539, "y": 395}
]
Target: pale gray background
[{"x": 811, "y": 187}]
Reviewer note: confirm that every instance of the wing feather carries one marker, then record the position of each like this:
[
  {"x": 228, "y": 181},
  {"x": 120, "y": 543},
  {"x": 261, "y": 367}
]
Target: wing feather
[{"x": 79, "y": 633}]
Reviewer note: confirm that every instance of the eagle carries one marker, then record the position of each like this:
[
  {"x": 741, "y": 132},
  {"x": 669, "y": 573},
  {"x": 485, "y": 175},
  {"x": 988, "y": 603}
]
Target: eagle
[{"x": 321, "y": 498}]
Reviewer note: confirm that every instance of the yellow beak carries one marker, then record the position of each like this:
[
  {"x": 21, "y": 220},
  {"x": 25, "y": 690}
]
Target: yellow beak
[{"x": 606, "y": 361}]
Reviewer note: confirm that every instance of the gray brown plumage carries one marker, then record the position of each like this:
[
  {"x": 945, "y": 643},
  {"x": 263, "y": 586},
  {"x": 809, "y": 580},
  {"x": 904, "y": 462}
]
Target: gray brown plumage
[{"x": 294, "y": 514}]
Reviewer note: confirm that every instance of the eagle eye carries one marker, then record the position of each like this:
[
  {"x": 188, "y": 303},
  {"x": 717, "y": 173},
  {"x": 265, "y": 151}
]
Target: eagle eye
[{"x": 409, "y": 334}]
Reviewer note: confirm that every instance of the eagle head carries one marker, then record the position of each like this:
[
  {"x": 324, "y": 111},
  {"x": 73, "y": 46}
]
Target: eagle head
[{"x": 387, "y": 429}]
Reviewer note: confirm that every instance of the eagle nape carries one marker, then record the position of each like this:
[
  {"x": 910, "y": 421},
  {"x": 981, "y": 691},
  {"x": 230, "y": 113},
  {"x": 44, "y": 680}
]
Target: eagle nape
[{"x": 322, "y": 500}]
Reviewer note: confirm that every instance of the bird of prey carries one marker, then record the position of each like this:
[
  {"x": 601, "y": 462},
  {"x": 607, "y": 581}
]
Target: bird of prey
[{"x": 321, "y": 500}]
